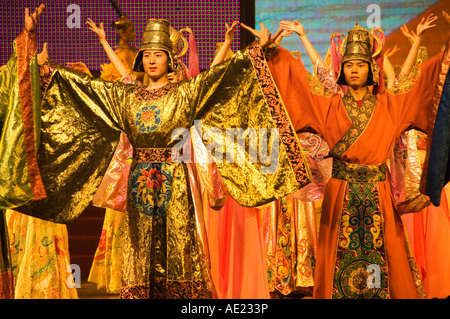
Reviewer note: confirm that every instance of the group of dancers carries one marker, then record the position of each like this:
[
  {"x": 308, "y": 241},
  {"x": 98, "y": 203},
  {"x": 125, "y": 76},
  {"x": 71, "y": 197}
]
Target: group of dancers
[{"x": 335, "y": 218}]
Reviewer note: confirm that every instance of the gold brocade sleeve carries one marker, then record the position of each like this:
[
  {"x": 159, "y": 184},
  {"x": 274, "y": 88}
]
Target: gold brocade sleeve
[
  {"x": 81, "y": 124},
  {"x": 20, "y": 180},
  {"x": 246, "y": 128},
  {"x": 5, "y": 80},
  {"x": 82, "y": 119}
]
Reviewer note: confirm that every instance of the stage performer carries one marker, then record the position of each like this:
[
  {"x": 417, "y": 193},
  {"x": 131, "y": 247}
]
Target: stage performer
[
  {"x": 20, "y": 181},
  {"x": 362, "y": 251},
  {"x": 220, "y": 212},
  {"x": 203, "y": 178},
  {"x": 37, "y": 255}
]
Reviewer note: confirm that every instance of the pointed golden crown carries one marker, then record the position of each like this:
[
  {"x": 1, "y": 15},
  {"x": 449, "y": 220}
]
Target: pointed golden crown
[
  {"x": 160, "y": 35},
  {"x": 359, "y": 46}
]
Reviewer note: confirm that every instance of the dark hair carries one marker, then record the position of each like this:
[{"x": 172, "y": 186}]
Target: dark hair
[{"x": 370, "y": 75}]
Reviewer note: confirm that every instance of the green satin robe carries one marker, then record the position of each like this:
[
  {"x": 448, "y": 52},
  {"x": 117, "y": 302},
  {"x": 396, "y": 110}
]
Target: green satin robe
[
  {"x": 20, "y": 180},
  {"x": 20, "y": 99}
]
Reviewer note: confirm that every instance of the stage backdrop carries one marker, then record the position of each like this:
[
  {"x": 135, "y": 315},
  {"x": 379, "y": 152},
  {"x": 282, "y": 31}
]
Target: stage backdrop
[
  {"x": 63, "y": 25},
  {"x": 70, "y": 40},
  {"x": 322, "y": 19}
]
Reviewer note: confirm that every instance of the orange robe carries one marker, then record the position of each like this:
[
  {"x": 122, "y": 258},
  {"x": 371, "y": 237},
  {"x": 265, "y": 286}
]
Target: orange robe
[
  {"x": 359, "y": 225},
  {"x": 429, "y": 234}
]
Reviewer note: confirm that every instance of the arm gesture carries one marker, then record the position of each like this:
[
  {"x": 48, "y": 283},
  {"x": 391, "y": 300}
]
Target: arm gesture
[
  {"x": 263, "y": 35},
  {"x": 298, "y": 28},
  {"x": 412, "y": 55},
  {"x": 30, "y": 20},
  {"x": 229, "y": 37},
  {"x": 426, "y": 24},
  {"x": 112, "y": 55},
  {"x": 100, "y": 32}
]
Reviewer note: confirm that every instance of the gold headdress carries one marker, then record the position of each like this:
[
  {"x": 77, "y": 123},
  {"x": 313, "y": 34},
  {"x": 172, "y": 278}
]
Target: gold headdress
[
  {"x": 160, "y": 35},
  {"x": 359, "y": 46}
]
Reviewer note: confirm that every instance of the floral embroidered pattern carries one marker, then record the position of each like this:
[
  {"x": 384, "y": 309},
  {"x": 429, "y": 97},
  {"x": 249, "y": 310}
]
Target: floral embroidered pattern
[
  {"x": 145, "y": 93},
  {"x": 359, "y": 116},
  {"x": 404, "y": 85},
  {"x": 281, "y": 119},
  {"x": 361, "y": 266},
  {"x": 317, "y": 87},
  {"x": 151, "y": 188},
  {"x": 358, "y": 172},
  {"x": 148, "y": 119},
  {"x": 167, "y": 289},
  {"x": 163, "y": 155},
  {"x": 285, "y": 256}
]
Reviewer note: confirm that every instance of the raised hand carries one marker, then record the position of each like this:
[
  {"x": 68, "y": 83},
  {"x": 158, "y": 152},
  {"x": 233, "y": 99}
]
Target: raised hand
[
  {"x": 390, "y": 52},
  {"x": 425, "y": 24},
  {"x": 229, "y": 33},
  {"x": 410, "y": 35},
  {"x": 293, "y": 26},
  {"x": 43, "y": 56},
  {"x": 30, "y": 20},
  {"x": 265, "y": 37},
  {"x": 100, "y": 32},
  {"x": 283, "y": 34}
]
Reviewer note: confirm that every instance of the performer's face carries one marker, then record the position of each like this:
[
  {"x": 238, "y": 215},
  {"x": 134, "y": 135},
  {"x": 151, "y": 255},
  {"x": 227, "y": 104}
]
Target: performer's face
[
  {"x": 156, "y": 63},
  {"x": 356, "y": 73}
]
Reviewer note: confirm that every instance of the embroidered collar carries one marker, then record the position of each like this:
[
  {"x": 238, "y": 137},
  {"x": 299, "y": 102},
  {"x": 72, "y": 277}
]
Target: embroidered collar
[
  {"x": 359, "y": 116},
  {"x": 145, "y": 93}
]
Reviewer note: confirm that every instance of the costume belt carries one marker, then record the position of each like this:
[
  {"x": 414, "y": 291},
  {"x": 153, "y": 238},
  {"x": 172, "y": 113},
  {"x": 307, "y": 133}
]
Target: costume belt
[
  {"x": 156, "y": 155},
  {"x": 358, "y": 173}
]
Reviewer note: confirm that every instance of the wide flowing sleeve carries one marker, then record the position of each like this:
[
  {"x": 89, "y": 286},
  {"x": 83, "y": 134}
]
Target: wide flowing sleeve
[
  {"x": 82, "y": 119},
  {"x": 20, "y": 179},
  {"x": 417, "y": 100},
  {"x": 417, "y": 106},
  {"x": 308, "y": 101},
  {"x": 241, "y": 118}
]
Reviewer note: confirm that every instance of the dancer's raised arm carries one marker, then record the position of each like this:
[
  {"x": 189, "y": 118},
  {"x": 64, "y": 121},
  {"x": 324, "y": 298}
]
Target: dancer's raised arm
[
  {"x": 415, "y": 40},
  {"x": 229, "y": 36},
  {"x": 388, "y": 69},
  {"x": 265, "y": 37},
  {"x": 298, "y": 28},
  {"x": 112, "y": 55},
  {"x": 31, "y": 19}
]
